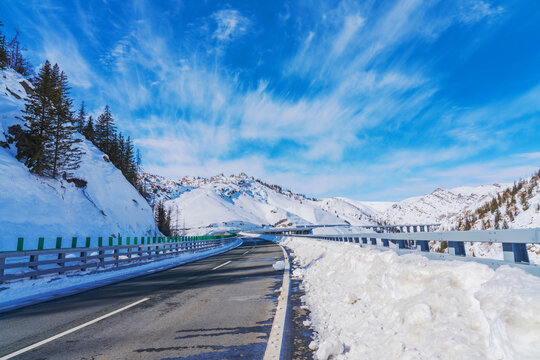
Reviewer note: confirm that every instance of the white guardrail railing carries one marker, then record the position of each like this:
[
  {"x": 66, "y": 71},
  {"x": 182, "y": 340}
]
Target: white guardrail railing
[
  {"x": 33, "y": 263},
  {"x": 514, "y": 244}
]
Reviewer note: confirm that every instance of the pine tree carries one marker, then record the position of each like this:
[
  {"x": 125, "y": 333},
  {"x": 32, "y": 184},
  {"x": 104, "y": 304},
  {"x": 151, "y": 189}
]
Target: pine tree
[
  {"x": 66, "y": 156},
  {"x": 130, "y": 162},
  {"x": 163, "y": 218},
  {"x": 47, "y": 147},
  {"x": 16, "y": 60},
  {"x": 88, "y": 131},
  {"x": 105, "y": 130},
  {"x": 38, "y": 114},
  {"x": 4, "y": 60},
  {"x": 80, "y": 120}
]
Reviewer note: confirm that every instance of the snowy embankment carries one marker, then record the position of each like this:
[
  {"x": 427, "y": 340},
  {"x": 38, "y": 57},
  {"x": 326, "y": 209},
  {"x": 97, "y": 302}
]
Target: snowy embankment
[
  {"x": 25, "y": 292},
  {"x": 370, "y": 304}
]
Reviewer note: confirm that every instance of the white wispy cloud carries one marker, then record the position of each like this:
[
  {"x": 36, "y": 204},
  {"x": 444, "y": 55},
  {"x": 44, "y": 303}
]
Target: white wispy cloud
[{"x": 230, "y": 24}]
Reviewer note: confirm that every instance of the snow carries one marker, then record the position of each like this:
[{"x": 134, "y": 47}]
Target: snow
[
  {"x": 22, "y": 292},
  {"x": 233, "y": 202},
  {"x": 367, "y": 303},
  {"x": 279, "y": 265},
  {"x": 32, "y": 206}
]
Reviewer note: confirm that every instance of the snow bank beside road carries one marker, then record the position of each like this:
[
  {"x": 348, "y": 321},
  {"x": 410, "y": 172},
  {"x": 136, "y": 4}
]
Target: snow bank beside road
[{"x": 379, "y": 305}]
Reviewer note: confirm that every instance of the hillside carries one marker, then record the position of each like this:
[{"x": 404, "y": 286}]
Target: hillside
[
  {"x": 516, "y": 206},
  {"x": 32, "y": 206},
  {"x": 230, "y": 202},
  {"x": 441, "y": 206}
]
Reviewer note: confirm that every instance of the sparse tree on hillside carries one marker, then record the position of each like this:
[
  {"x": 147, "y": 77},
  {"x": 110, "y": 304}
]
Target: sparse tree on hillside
[
  {"x": 4, "y": 60},
  {"x": 16, "y": 60},
  {"x": 66, "y": 156},
  {"x": 80, "y": 120},
  {"x": 47, "y": 145},
  {"x": 105, "y": 130},
  {"x": 163, "y": 218},
  {"x": 88, "y": 131}
]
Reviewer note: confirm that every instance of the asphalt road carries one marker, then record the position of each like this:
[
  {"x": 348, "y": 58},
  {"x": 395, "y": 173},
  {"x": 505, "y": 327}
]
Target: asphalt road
[{"x": 220, "y": 307}]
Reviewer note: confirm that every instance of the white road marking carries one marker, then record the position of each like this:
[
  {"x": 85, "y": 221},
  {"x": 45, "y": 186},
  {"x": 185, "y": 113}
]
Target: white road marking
[
  {"x": 52, "y": 338},
  {"x": 275, "y": 340},
  {"x": 245, "y": 252},
  {"x": 217, "y": 267}
]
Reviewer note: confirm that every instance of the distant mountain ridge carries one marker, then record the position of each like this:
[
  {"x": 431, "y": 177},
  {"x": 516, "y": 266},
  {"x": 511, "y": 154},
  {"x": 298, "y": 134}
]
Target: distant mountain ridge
[{"x": 220, "y": 202}]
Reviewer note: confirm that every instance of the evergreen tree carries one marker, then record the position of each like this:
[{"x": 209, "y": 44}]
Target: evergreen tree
[
  {"x": 105, "y": 130},
  {"x": 163, "y": 218},
  {"x": 47, "y": 146},
  {"x": 88, "y": 131},
  {"x": 38, "y": 114},
  {"x": 80, "y": 120},
  {"x": 130, "y": 162},
  {"x": 66, "y": 156},
  {"x": 16, "y": 60},
  {"x": 4, "y": 60}
]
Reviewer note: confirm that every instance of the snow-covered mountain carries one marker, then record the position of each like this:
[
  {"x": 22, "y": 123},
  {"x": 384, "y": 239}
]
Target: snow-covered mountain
[
  {"x": 32, "y": 206},
  {"x": 516, "y": 206},
  {"x": 223, "y": 202},
  {"x": 439, "y": 207},
  {"x": 206, "y": 205}
]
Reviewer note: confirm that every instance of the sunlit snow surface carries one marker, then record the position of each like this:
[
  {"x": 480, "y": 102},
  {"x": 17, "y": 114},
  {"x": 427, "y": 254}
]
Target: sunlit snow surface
[{"x": 372, "y": 304}]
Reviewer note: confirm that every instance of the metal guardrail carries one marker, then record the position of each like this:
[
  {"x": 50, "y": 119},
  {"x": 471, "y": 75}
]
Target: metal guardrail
[
  {"x": 33, "y": 263},
  {"x": 514, "y": 244}
]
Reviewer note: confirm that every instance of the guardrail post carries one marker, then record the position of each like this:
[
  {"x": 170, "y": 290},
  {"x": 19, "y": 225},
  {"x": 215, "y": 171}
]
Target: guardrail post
[
  {"x": 401, "y": 244},
  {"x": 373, "y": 241},
  {"x": 116, "y": 256},
  {"x": 2, "y": 263},
  {"x": 364, "y": 240},
  {"x": 424, "y": 245},
  {"x": 513, "y": 252},
  {"x": 456, "y": 248},
  {"x": 101, "y": 257},
  {"x": 385, "y": 242},
  {"x": 34, "y": 258},
  {"x": 84, "y": 254}
]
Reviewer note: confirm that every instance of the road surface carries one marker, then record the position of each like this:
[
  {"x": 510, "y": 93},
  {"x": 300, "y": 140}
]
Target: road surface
[{"x": 220, "y": 307}]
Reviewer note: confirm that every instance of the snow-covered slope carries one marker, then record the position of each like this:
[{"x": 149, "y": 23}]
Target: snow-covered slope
[
  {"x": 516, "y": 206},
  {"x": 228, "y": 202},
  {"x": 32, "y": 206},
  {"x": 441, "y": 206},
  {"x": 221, "y": 202}
]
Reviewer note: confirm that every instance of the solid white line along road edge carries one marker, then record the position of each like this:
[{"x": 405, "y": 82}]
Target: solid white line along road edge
[
  {"x": 275, "y": 340},
  {"x": 217, "y": 267},
  {"x": 52, "y": 338}
]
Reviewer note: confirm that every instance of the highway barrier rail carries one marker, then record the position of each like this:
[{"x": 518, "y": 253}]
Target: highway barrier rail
[
  {"x": 33, "y": 263},
  {"x": 514, "y": 244}
]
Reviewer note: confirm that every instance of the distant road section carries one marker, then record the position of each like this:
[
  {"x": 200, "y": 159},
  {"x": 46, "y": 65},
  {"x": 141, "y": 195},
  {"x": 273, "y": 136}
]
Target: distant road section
[{"x": 220, "y": 307}]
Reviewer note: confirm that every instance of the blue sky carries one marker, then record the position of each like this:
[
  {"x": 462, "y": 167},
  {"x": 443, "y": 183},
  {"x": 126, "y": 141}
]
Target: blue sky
[{"x": 373, "y": 100}]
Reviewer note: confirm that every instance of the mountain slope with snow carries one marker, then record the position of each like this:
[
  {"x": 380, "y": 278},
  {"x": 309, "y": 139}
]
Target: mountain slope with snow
[
  {"x": 32, "y": 206},
  {"x": 440, "y": 206},
  {"x": 221, "y": 202}
]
